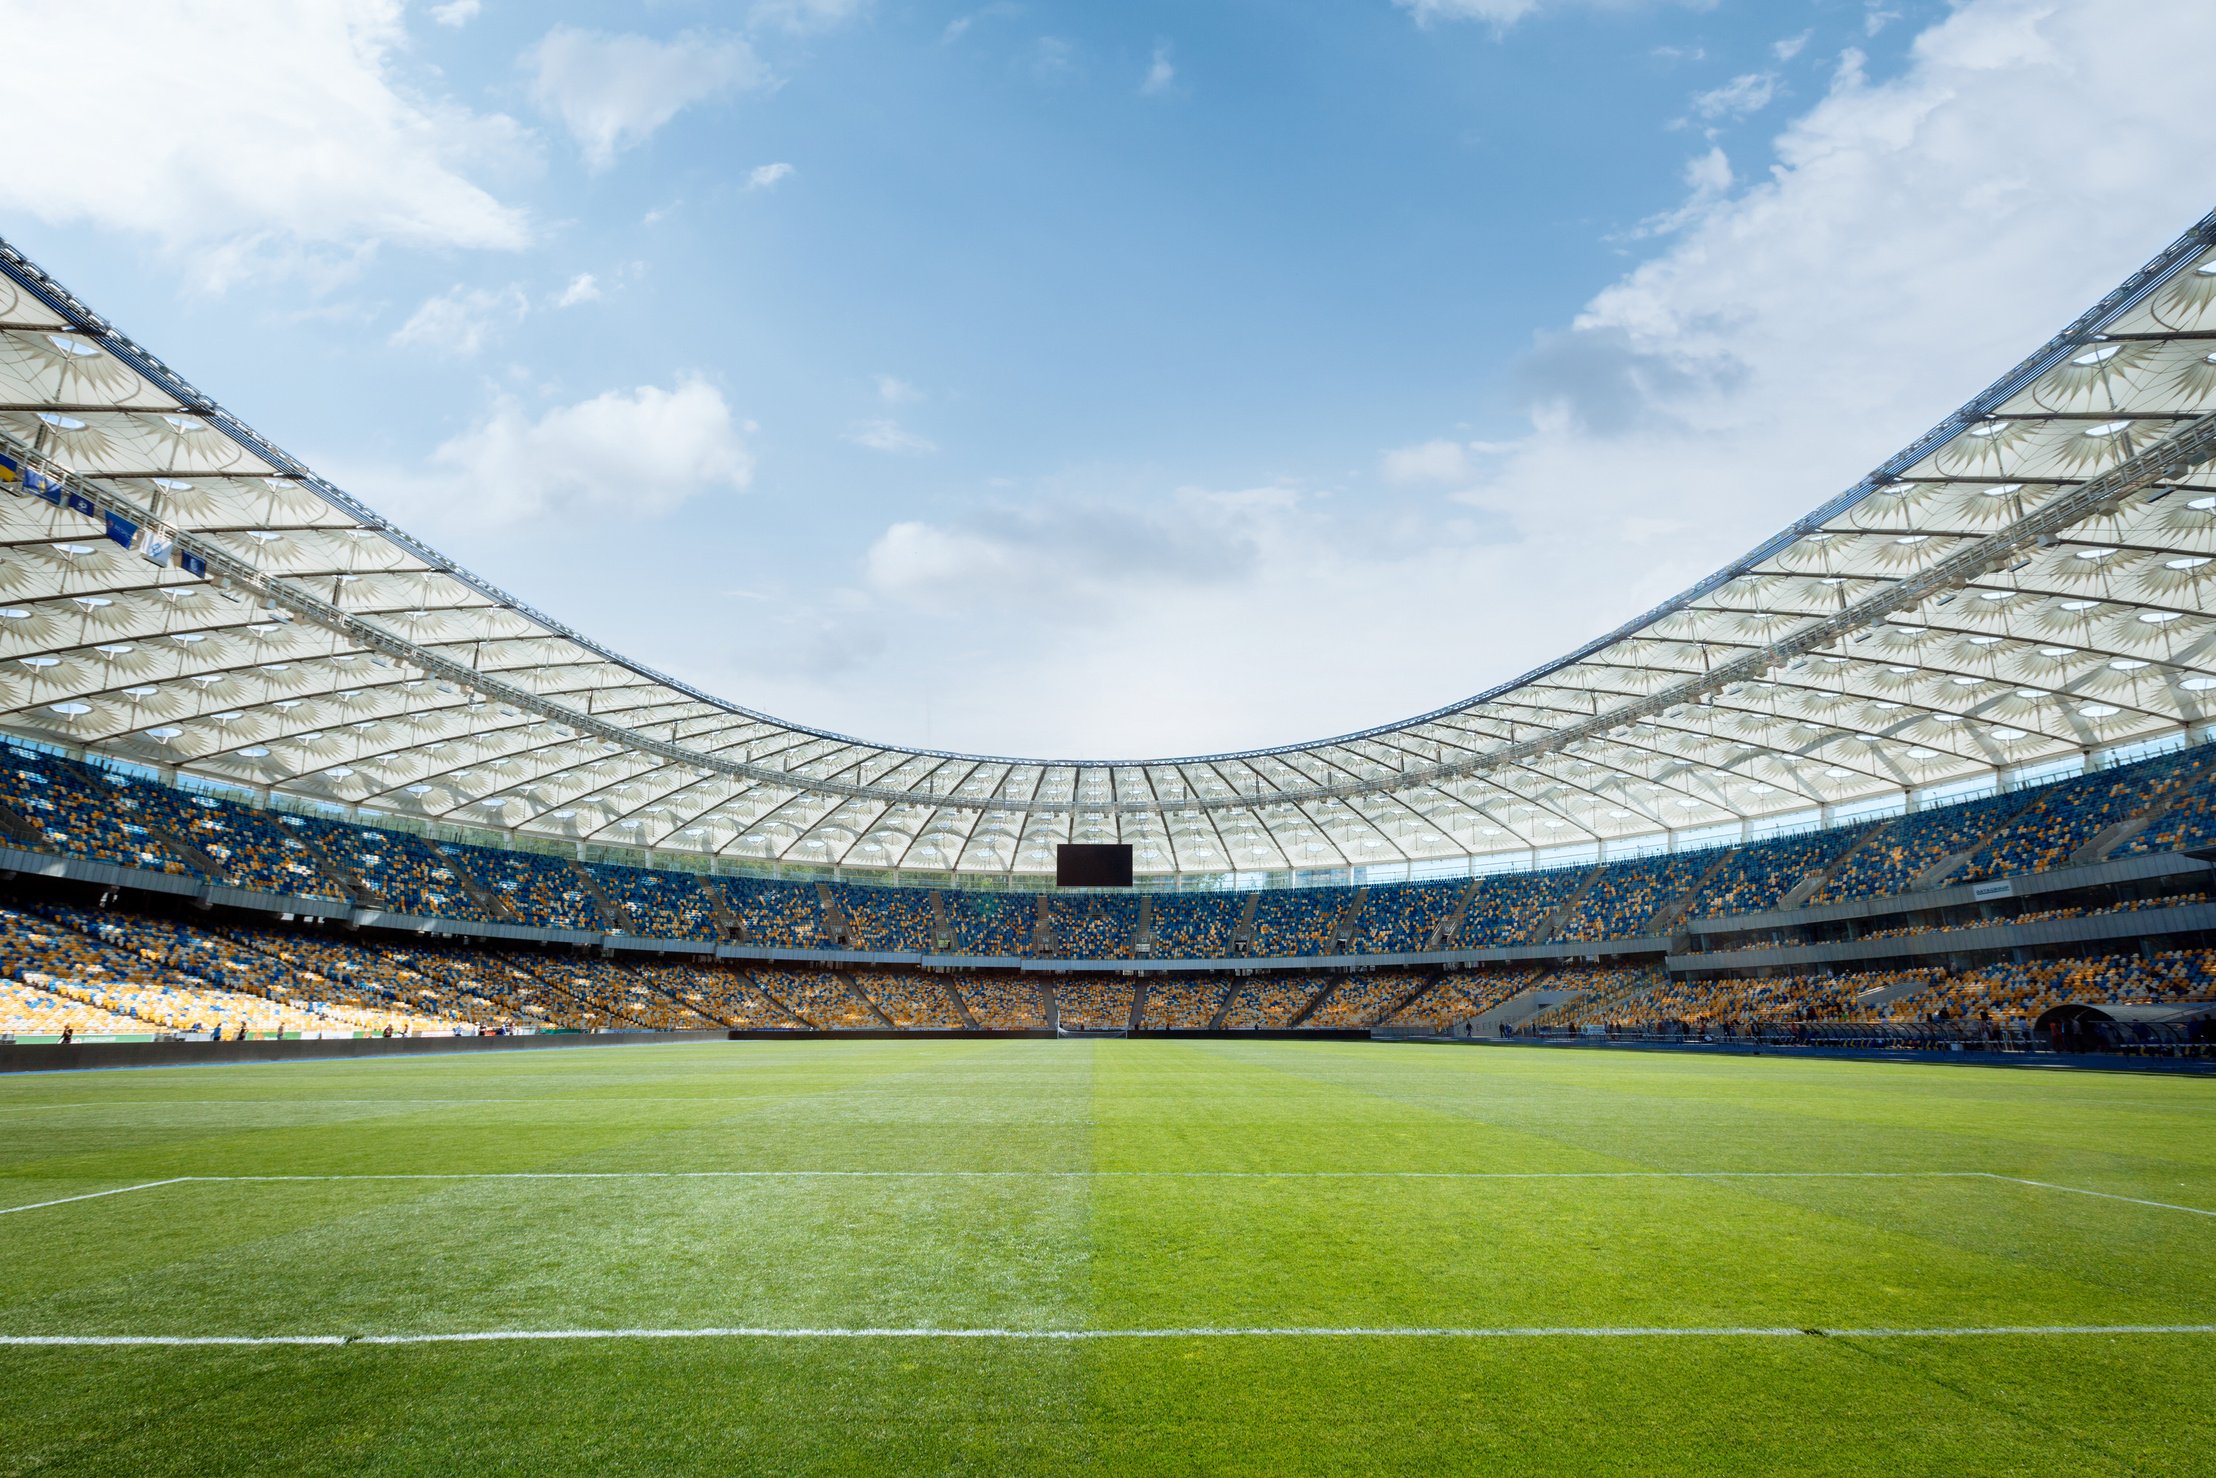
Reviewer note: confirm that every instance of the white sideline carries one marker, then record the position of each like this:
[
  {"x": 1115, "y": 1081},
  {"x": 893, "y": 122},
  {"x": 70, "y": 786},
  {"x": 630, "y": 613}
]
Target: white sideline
[
  {"x": 460, "y": 1175},
  {"x": 504, "y": 1336},
  {"x": 96, "y": 1195}
]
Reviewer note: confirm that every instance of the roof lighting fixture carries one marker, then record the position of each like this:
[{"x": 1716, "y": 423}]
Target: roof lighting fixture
[
  {"x": 2079, "y": 605},
  {"x": 2157, "y": 618}
]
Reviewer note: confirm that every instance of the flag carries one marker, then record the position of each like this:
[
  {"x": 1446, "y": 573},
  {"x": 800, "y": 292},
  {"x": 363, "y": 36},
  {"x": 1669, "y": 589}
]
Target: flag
[
  {"x": 49, "y": 488},
  {"x": 122, "y": 530},
  {"x": 158, "y": 548},
  {"x": 10, "y": 469},
  {"x": 79, "y": 503},
  {"x": 193, "y": 564}
]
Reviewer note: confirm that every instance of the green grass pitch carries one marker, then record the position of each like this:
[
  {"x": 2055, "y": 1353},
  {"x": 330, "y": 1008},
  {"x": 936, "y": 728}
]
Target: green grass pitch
[{"x": 1219, "y": 1211}]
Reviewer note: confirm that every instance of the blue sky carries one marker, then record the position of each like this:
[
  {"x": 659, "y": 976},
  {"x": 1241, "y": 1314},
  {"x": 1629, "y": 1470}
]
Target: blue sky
[{"x": 1085, "y": 380}]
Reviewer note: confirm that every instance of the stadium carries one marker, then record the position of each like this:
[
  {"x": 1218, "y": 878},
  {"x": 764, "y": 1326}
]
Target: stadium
[{"x": 1770, "y": 1036}]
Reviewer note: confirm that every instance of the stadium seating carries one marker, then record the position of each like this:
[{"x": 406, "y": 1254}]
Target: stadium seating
[
  {"x": 992, "y": 923},
  {"x": 1458, "y": 996},
  {"x": 1183, "y": 1003},
  {"x": 821, "y": 998},
  {"x": 1094, "y": 1005},
  {"x": 1756, "y": 878},
  {"x": 28, "y": 1014},
  {"x": 891, "y": 919},
  {"x": 909, "y": 999},
  {"x": 1001, "y": 1004},
  {"x": 1297, "y": 921},
  {"x": 1625, "y": 896},
  {"x": 1364, "y": 1000},
  {"x": 788, "y": 914},
  {"x": 1399, "y": 919},
  {"x": 1094, "y": 926},
  {"x": 2062, "y": 818},
  {"x": 1509, "y": 907},
  {"x": 1195, "y": 926},
  {"x": 540, "y": 889},
  {"x": 1270, "y": 1001}
]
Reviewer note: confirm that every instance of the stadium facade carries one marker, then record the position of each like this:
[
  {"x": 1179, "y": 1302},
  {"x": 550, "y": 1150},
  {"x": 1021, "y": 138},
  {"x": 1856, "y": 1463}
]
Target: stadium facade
[{"x": 2022, "y": 590}]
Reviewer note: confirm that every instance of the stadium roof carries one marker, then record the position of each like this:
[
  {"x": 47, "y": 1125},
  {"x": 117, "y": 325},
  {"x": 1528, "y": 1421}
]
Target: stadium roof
[{"x": 2030, "y": 580}]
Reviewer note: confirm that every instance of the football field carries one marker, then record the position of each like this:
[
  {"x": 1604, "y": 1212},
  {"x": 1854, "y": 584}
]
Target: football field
[{"x": 1122, "y": 1256}]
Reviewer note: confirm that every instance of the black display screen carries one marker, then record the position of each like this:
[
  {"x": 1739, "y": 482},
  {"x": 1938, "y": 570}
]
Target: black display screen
[{"x": 1093, "y": 865}]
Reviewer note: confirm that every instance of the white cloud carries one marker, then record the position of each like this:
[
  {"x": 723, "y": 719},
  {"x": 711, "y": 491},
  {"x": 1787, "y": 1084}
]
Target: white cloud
[
  {"x": 1746, "y": 94},
  {"x": 1076, "y": 552},
  {"x": 767, "y": 176},
  {"x": 1160, "y": 72},
  {"x": 259, "y": 136},
  {"x": 1439, "y": 461},
  {"x": 806, "y": 15},
  {"x": 1498, "y": 12},
  {"x": 1501, "y": 14},
  {"x": 461, "y": 320},
  {"x": 583, "y": 288},
  {"x": 613, "y": 92},
  {"x": 1788, "y": 47},
  {"x": 457, "y": 12},
  {"x": 1915, "y": 238},
  {"x": 638, "y": 453},
  {"x": 893, "y": 390},
  {"x": 960, "y": 26},
  {"x": 889, "y": 436},
  {"x": 1053, "y": 58}
]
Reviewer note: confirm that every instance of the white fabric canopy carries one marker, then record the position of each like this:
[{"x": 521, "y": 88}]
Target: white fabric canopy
[{"x": 2032, "y": 579}]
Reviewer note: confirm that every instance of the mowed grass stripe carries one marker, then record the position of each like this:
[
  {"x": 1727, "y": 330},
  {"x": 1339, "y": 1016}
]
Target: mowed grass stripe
[
  {"x": 1059, "y": 1317},
  {"x": 1063, "y": 1336}
]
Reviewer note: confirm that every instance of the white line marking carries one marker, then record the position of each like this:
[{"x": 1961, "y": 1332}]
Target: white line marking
[
  {"x": 1130, "y": 1174},
  {"x": 1486, "y": 1175},
  {"x": 501, "y": 1336},
  {"x": 96, "y": 1195},
  {"x": 2048, "y": 1185}
]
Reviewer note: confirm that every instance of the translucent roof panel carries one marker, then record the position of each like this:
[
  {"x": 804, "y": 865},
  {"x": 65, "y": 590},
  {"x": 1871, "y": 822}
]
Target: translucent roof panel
[{"x": 2028, "y": 581}]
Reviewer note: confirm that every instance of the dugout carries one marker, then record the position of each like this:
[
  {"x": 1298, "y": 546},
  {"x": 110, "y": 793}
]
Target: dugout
[{"x": 2095, "y": 1025}]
